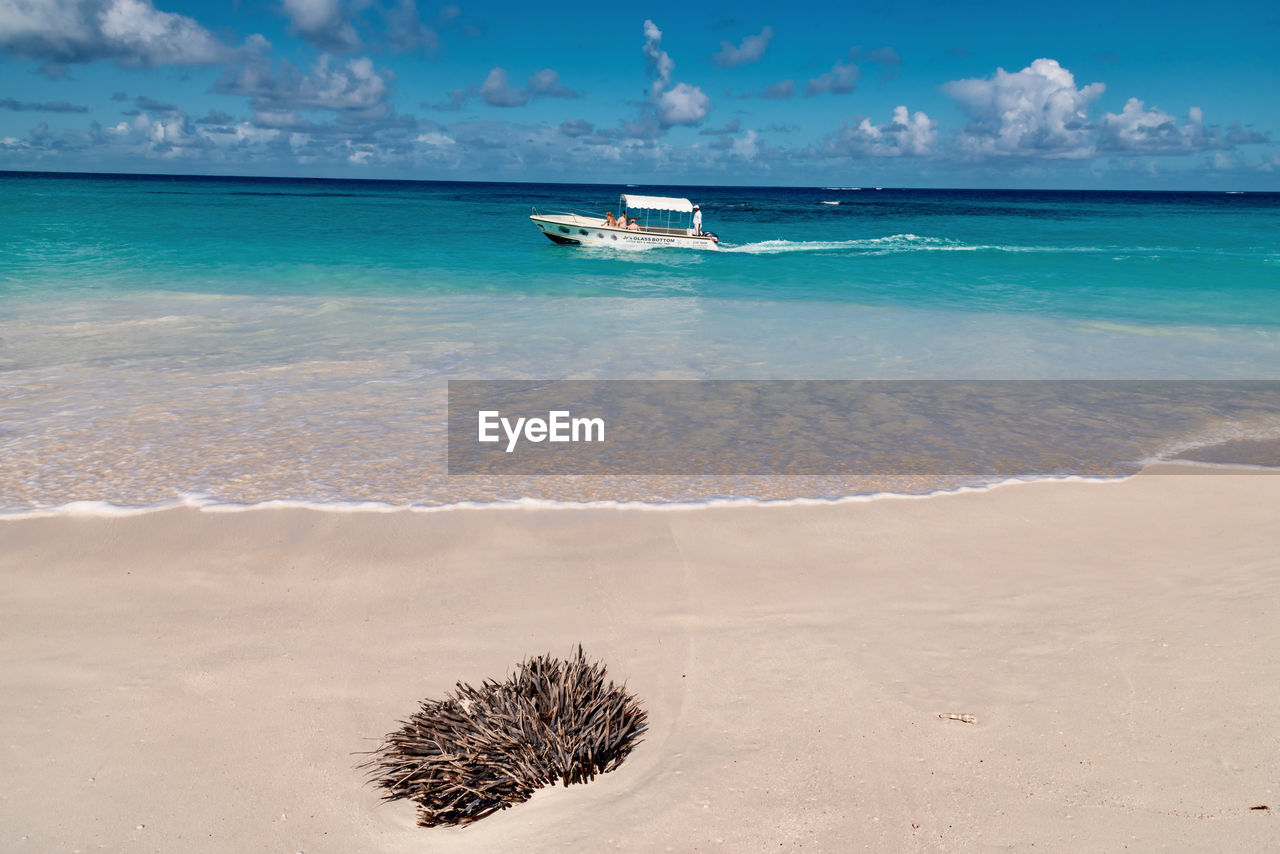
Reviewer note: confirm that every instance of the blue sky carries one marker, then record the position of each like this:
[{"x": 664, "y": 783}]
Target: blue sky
[{"x": 1095, "y": 95}]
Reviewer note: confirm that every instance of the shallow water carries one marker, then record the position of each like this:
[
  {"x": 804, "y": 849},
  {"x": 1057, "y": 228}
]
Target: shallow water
[{"x": 249, "y": 339}]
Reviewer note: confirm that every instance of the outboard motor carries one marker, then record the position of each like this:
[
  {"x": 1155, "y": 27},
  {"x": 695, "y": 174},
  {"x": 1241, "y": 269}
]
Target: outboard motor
[{"x": 715, "y": 238}]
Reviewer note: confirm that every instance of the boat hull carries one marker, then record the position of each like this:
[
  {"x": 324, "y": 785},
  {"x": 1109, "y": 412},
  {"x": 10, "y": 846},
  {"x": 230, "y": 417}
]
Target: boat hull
[{"x": 573, "y": 229}]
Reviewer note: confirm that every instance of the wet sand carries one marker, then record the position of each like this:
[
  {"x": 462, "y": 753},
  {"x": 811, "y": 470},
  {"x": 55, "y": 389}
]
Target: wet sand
[{"x": 202, "y": 681}]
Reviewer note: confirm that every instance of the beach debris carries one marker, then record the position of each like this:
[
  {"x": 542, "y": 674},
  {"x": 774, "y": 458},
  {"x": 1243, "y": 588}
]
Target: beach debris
[
  {"x": 480, "y": 750},
  {"x": 1260, "y": 807},
  {"x": 964, "y": 719}
]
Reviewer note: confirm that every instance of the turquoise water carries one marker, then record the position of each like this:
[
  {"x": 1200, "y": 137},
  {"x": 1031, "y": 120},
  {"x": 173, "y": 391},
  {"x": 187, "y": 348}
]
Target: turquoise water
[
  {"x": 249, "y": 339},
  {"x": 1144, "y": 257}
]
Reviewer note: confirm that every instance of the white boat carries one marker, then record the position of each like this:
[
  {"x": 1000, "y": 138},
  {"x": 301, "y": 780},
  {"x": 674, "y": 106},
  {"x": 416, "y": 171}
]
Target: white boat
[{"x": 660, "y": 221}]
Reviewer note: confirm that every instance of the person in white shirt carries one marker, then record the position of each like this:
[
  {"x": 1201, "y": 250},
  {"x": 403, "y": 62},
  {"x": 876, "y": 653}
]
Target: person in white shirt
[{"x": 697, "y": 220}]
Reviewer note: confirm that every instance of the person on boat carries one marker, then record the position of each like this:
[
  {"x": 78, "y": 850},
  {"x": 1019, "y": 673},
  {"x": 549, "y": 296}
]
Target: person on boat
[
  {"x": 697, "y": 220},
  {"x": 609, "y": 219},
  {"x": 632, "y": 225}
]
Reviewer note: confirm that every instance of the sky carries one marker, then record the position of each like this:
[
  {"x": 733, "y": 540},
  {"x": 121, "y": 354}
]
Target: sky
[{"x": 1090, "y": 95}]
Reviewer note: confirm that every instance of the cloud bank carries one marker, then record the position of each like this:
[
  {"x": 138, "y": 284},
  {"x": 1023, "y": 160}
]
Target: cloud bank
[
  {"x": 338, "y": 106},
  {"x": 131, "y": 32},
  {"x": 1040, "y": 112},
  {"x": 352, "y": 86}
]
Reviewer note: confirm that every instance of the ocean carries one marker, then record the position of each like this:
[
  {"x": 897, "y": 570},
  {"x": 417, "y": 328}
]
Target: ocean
[{"x": 240, "y": 340}]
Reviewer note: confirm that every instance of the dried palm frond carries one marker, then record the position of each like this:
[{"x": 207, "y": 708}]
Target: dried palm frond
[{"x": 480, "y": 750}]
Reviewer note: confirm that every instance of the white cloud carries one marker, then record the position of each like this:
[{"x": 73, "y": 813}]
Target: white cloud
[
  {"x": 131, "y": 32},
  {"x": 1138, "y": 129},
  {"x": 1237, "y": 134},
  {"x": 779, "y": 91},
  {"x": 168, "y": 136},
  {"x": 745, "y": 146},
  {"x": 547, "y": 82},
  {"x": 323, "y": 23},
  {"x": 280, "y": 136},
  {"x": 351, "y": 86},
  {"x": 330, "y": 25},
  {"x": 911, "y": 134},
  {"x": 657, "y": 60},
  {"x": 841, "y": 79},
  {"x": 497, "y": 91},
  {"x": 1040, "y": 112},
  {"x": 1036, "y": 111},
  {"x": 436, "y": 139},
  {"x": 406, "y": 31},
  {"x": 749, "y": 50},
  {"x": 683, "y": 105},
  {"x": 906, "y": 134}
]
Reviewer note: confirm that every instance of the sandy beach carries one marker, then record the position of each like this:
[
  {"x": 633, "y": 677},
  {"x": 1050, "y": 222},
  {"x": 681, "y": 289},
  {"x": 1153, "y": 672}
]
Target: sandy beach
[{"x": 188, "y": 680}]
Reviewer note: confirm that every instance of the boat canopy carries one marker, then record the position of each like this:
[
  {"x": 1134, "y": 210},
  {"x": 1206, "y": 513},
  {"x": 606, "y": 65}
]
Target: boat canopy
[{"x": 657, "y": 203}]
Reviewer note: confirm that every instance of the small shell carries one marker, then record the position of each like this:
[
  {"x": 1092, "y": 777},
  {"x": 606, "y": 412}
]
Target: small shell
[{"x": 964, "y": 719}]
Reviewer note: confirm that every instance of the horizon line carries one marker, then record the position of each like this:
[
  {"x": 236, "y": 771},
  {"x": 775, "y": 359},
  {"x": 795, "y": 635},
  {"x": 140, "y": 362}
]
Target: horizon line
[{"x": 235, "y": 177}]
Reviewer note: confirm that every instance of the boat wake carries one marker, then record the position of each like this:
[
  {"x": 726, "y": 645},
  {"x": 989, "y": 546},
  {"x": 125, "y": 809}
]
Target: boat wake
[
  {"x": 893, "y": 243},
  {"x": 890, "y": 245}
]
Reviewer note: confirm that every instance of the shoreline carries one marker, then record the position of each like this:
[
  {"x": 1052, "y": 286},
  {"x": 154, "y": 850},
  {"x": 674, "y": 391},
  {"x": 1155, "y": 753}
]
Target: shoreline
[
  {"x": 210, "y": 675},
  {"x": 1182, "y": 464},
  {"x": 205, "y": 504}
]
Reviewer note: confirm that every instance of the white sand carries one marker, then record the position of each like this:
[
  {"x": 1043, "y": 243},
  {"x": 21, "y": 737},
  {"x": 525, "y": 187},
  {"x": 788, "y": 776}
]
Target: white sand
[{"x": 210, "y": 675}]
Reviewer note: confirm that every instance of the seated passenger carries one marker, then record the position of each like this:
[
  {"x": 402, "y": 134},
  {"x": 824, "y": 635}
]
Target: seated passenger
[
  {"x": 609, "y": 220},
  {"x": 633, "y": 225}
]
